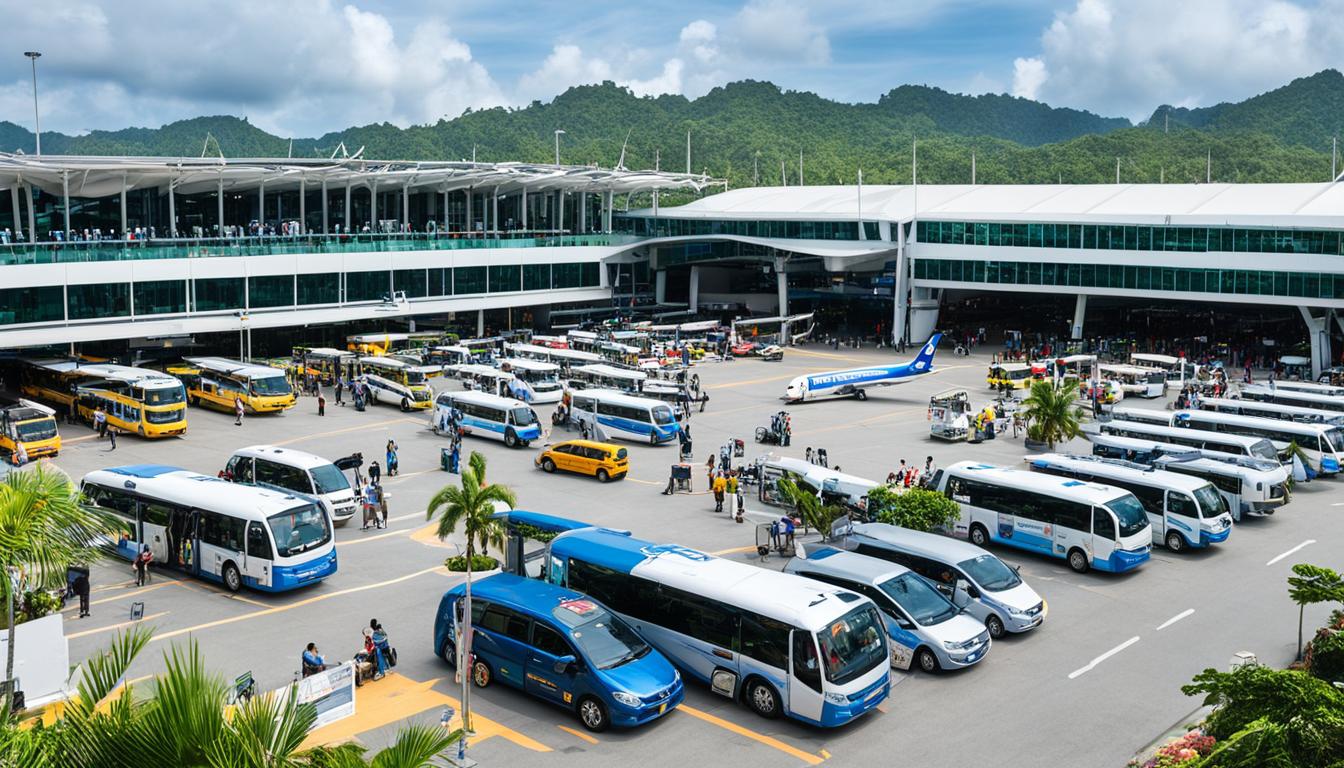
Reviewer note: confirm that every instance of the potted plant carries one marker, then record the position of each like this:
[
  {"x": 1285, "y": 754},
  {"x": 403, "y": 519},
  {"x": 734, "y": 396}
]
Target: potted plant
[{"x": 1052, "y": 414}]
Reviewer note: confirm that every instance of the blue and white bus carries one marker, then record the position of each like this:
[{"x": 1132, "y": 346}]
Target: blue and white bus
[
  {"x": 1204, "y": 440},
  {"x": 492, "y": 416},
  {"x": 612, "y": 415},
  {"x": 781, "y": 644},
  {"x": 239, "y": 535},
  {"x": 1321, "y": 443},
  {"x": 1247, "y": 407},
  {"x": 1089, "y": 525}
]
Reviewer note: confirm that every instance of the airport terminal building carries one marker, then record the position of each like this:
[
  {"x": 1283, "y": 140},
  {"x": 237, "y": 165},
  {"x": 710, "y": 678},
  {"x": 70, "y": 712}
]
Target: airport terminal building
[{"x": 101, "y": 249}]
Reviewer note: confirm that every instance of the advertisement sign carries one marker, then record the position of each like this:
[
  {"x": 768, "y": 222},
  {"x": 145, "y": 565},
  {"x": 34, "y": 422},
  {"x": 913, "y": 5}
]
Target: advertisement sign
[{"x": 332, "y": 691}]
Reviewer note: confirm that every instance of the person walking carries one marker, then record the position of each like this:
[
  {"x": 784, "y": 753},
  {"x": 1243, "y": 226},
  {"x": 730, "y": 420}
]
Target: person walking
[
  {"x": 382, "y": 508},
  {"x": 112, "y": 439},
  {"x": 375, "y": 473},
  {"x": 20, "y": 454},
  {"x": 340, "y": 386},
  {"x": 81, "y": 588},
  {"x": 392, "y": 463},
  {"x": 238, "y": 411},
  {"x": 369, "y": 504},
  {"x": 100, "y": 422},
  {"x": 321, "y": 404},
  {"x": 709, "y": 471},
  {"x": 720, "y": 485},
  {"x": 141, "y": 565}
]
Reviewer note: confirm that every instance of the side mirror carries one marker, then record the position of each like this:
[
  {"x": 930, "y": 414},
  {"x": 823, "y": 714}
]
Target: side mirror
[
  {"x": 961, "y": 594},
  {"x": 564, "y": 665}
]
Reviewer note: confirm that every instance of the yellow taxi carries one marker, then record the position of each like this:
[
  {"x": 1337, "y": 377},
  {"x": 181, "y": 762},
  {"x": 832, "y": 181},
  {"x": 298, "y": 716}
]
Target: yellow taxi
[{"x": 587, "y": 457}]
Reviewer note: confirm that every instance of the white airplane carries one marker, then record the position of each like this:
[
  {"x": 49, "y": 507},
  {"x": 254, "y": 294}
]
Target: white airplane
[{"x": 856, "y": 381}]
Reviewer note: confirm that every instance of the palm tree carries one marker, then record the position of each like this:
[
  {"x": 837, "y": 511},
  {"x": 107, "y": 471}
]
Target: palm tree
[
  {"x": 1052, "y": 413},
  {"x": 473, "y": 507},
  {"x": 43, "y": 530}
]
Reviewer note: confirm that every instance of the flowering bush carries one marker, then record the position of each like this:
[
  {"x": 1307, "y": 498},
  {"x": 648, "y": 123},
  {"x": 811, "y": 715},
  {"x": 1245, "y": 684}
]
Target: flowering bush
[{"x": 1179, "y": 751}]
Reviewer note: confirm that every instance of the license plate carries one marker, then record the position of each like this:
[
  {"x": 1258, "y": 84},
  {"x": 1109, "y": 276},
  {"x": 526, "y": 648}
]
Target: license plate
[
  {"x": 662, "y": 708},
  {"x": 974, "y": 656},
  {"x": 870, "y": 696}
]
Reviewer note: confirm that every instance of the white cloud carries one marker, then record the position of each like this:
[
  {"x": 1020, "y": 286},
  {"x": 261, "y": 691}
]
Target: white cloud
[
  {"x": 566, "y": 66},
  {"x": 1128, "y": 57},
  {"x": 781, "y": 30}
]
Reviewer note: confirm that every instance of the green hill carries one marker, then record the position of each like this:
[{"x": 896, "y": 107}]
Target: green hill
[{"x": 744, "y": 131}]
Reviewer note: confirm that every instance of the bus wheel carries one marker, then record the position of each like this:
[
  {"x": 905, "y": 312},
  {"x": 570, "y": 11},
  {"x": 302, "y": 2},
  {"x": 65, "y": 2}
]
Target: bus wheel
[
  {"x": 548, "y": 465},
  {"x": 978, "y": 536},
  {"x": 233, "y": 580},
  {"x": 995, "y": 626},
  {"x": 593, "y": 715},
  {"x": 653, "y": 438},
  {"x": 511, "y": 438},
  {"x": 405, "y": 405},
  {"x": 1175, "y": 542},
  {"x": 762, "y": 698},
  {"x": 927, "y": 661},
  {"x": 141, "y": 430},
  {"x": 1078, "y": 561}
]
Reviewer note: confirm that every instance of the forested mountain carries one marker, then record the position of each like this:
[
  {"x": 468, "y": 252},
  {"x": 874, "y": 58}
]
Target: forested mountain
[{"x": 753, "y": 132}]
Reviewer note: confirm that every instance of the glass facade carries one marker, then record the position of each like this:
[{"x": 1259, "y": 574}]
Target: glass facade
[
  {"x": 366, "y": 286},
  {"x": 650, "y": 226},
  {"x": 1310, "y": 285},
  {"x": 505, "y": 278},
  {"x": 440, "y": 281},
  {"x": 1132, "y": 238},
  {"x": 536, "y": 277},
  {"x": 412, "y": 281},
  {"x": 324, "y": 288},
  {"x": 88, "y": 302},
  {"x": 31, "y": 305},
  {"x": 216, "y": 293},
  {"x": 468, "y": 280},
  {"x": 160, "y": 297},
  {"x": 267, "y": 291}
]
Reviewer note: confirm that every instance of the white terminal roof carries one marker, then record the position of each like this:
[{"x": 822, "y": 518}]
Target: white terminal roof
[
  {"x": 1317, "y": 205},
  {"x": 90, "y": 176}
]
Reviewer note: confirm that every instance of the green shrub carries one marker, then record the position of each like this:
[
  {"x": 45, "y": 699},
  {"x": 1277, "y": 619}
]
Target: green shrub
[
  {"x": 918, "y": 509},
  {"x": 1325, "y": 655},
  {"x": 478, "y": 563},
  {"x": 528, "y": 531}
]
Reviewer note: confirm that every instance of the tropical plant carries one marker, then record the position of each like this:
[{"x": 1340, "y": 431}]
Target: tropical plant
[
  {"x": 1324, "y": 656},
  {"x": 808, "y": 506},
  {"x": 918, "y": 509},
  {"x": 478, "y": 563},
  {"x": 1052, "y": 413},
  {"x": 43, "y": 530},
  {"x": 1313, "y": 584},
  {"x": 1294, "y": 451}
]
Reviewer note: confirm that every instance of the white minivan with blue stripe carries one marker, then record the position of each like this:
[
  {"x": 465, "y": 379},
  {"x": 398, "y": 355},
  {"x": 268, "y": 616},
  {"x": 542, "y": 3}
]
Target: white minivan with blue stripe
[
  {"x": 487, "y": 415},
  {"x": 612, "y": 415},
  {"x": 924, "y": 627}
]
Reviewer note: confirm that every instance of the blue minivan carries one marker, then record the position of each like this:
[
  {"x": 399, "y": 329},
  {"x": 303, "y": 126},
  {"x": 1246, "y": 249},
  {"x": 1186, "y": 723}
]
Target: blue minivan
[{"x": 561, "y": 646}]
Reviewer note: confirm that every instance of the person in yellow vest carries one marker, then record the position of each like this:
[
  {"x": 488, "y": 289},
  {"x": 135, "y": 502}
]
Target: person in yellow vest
[{"x": 719, "y": 486}]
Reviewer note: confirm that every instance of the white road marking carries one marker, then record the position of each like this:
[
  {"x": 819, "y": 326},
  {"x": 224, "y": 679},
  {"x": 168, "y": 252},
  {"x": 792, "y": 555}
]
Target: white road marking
[
  {"x": 1175, "y": 618},
  {"x": 1338, "y": 504},
  {"x": 1291, "y": 551},
  {"x": 1092, "y": 664}
]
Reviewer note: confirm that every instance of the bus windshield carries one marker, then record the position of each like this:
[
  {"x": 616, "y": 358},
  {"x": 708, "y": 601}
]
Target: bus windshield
[
  {"x": 38, "y": 429},
  {"x": 299, "y": 530},
  {"x": 415, "y": 377},
  {"x": 1211, "y": 503},
  {"x": 602, "y": 637},
  {"x": 1332, "y": 440},
  {"x": 522, "y": 417},
  {"x": 662, "y": 415},
  {"x": 990, "y": 573},
  {"x": 852, "y": 645},
  {"x": 925, "y": 604},
  {"x": 1264, "y": 449},
  {"x": 271, "y": 385},
  {"x": 1129, "y": 511},
  {"x": 164, "y": 395},
  {"x": 329, "y": 479}
]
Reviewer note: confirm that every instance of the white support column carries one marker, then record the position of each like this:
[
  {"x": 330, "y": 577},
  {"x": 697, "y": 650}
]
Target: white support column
[
  {"x": 899, "y": 302},
  {"x": 261, "y": 205},
  {"x": 1319, "y": 332},
  {"x": 219, "y": 207},
  {"x": 406, "y": 207},
  {"x": 480, "y": 323},
  {"x": 346, "y": 219},
  {"x": 32, "y": 216},
  {"x": 326, "y": 210},
  {"x": 373, "y": 207},
  {"x": 693, "y": 302},
  {"x": 65, "y": 202},
  {"x": 522, "y": 197},
  {"x": 1079, "y": 313},
  {"x": 471, "y": 223},
  {"x": 782, "y": 293},
  {"x": 560, "y": 210},
  {"x": 172, "y": 210},
  {"x": 303, "y": 206},
  {"x": 606, "y": 212},
  {"x": 18, "y": 214},
  {"x": 660, "y": 286},
  {"x": 583, "y": 213},
  {"x": 494, "y": 211}
]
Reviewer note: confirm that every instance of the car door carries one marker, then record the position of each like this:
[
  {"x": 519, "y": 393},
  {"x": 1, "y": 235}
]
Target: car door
[
  {"x": 509, "y": 641},
  {"x": 258, "y": 559},
  {"x": 543, "y": 681},
  {"x": 587, "y": 459}
]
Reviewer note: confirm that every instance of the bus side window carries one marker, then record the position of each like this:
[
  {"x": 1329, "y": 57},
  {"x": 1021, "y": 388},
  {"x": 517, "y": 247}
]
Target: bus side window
[
  {"x": 258, "y": 543},
  {"x": 805, "y": 666},
  {"x": 1180, "y": 504},
  {"x": 1103, "y": 525}
]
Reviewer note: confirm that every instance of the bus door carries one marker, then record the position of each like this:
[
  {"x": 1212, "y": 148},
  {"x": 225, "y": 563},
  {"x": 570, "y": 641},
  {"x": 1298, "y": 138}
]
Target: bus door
[
  {"x": 805, "y": 696},
  {"x": 1183, "y": 515},
  {"x": 258, "y": 557},
  {"x": 1103, "y": 539},
  {"x": 181, "y": 539}
]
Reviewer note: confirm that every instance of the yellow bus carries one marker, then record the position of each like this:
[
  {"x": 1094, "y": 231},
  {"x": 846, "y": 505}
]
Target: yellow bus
[
  {"x": 1013, "y": 375},
  {"x": 394, "y": 382},
  {"x": 217, "y": 381},
  {"x": 30, "y": 424},
  {"x": 148, "y": 403},
  {"x": 329, "y": 363}
]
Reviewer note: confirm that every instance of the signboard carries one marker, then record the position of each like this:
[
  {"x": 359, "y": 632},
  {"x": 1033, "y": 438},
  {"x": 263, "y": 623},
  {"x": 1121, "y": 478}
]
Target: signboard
[{"x": 332, "y": 691}]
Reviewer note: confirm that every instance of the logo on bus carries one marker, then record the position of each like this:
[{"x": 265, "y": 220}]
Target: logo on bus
[{"x": 674, "y": 549}]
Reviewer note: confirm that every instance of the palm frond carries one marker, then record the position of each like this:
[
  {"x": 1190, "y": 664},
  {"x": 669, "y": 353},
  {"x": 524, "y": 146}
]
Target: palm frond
[
  {"x": 183, "y": 719},
  {"x": 102, "y": 673},
  {"x": 266, "y": 732},
  {"x": 416, "y": 746}
]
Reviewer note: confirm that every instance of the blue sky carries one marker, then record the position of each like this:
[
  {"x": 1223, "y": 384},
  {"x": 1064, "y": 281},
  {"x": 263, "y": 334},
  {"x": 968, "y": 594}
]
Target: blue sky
[{"x": 303, "y": 67}]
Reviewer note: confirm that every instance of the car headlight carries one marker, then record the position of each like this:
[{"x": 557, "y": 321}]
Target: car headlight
[
  {"x": 628, "y": 699},
  {"x": 951, "y": 646},
  {"x": 676, "y": 675},
  {"x": 837, "y": 698},
  {"x": 1016, "y": 611}
]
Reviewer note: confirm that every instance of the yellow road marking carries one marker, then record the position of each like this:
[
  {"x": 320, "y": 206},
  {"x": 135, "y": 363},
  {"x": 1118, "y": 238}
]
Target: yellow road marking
[
  {"x": 193, "y": 587},
  {"x": 291, "y": 606},
  {"x": 394, "y": 698},
  {"x": 115, "y": 598},
  {"x": 69, "y": 440},
  {"x": 315, "y": 435},
  {"x": 764, "y": 380},
  {"x": 400, "y": 476},
  {"x": 733, "y": 551},
  {"x": 831, "y": 355},
  {"x": 114, "y": 626},
  {"x": 824, "y": 754},
  {"x": 769, "y": 741},
  {"x": 429, "y": 536},
  {"x": 577, "y": 734}
]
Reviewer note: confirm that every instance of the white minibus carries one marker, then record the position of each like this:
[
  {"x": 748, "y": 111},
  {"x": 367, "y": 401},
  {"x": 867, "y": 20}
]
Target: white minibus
[
  {"x": 396, "y": 383},
  {"x": 1295, "y": 397},
  {"x": 492, "y": 416},
  {"x": 1264, "y": 410},
  {"x": 286, "y": 469},
  {"x": 602, "y": 376},
  {"x": 1321, "y": 443},
  {"x": 611, "y": 415},
  {"x": 239, "y": 535},
  {"x": 1330, "y": 390},
  {"x": 1182, "y": 511},
  {"x": 1089, "y": 525},
  {"x": 1137, "y": 380},
  {"x": 829, "y": 485},
  {"x": 541, "y": 378},
  {"x": 1177, "y": 368},
  {"x": 1237, "y": 445},
  {"x": 485, "y": 378}
]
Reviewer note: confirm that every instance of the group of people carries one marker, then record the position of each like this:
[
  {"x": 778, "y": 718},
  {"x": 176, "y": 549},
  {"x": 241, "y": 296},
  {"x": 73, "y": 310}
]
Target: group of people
[
  {"x": 356, "y": 386},
  {"x": 910, "y": 476},
  {"x": 377, "y": 651},
  {"x": 725, "y": 481}
]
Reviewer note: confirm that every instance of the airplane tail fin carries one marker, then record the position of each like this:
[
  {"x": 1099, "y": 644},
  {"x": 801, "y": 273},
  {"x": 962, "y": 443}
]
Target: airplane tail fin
[{"x": 924, "y": 360}]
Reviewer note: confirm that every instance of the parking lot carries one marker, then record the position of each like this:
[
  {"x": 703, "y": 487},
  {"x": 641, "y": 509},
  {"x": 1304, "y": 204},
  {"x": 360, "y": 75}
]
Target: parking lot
[{"x": 1097, "y": 682}]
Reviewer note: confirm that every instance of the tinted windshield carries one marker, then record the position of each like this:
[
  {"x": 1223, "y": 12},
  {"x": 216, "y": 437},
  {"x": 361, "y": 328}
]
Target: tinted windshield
[
  {"x": 1211, "y": 502},
  {"x": 604, "y": 640},
  {"x": 990, "y": 573},
  {"x": 852, "y": 645},
  {"x": 40, "y": 429},
  {"x": 1333, "y": 440},
  {"x": 271, "y": 385},
  {"x": 299, "y": 530},
  {"x": 522, "y": 417},
  {"x": 165, "y": 395},
  {"x": 926, "y": 605},
  {"x": 329, "y": 479},
  {"x": 1265, "y": 450},
  {"x": 415, "y": 377},
  {"x": 662, "y": 415},
  {"x": 1130, "y": 513}
]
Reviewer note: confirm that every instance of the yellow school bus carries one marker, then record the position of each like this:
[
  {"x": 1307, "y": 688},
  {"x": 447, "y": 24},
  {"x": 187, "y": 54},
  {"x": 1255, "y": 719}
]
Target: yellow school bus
[
  {"x": 1014, "y": 375},
  {"x": 30, "y": 424},
  {"x": 329, "y": 363},
  {"x": 216, "y": 381},
  {"x": 147, "y": 403}
]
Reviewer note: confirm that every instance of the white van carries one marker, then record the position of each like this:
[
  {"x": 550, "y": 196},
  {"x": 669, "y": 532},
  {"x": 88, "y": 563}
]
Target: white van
[{"x": 291, "y": 470}]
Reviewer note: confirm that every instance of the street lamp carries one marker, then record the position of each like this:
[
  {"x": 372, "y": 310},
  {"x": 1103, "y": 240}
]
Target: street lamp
[
  {"x": 37, "y": 122},
  {"x": 558, "y": 131}
]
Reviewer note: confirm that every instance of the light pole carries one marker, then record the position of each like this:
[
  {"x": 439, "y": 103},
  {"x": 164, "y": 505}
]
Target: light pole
[
  {"x": 558, "y": 131},
  {"x": 33, "y": 56}
]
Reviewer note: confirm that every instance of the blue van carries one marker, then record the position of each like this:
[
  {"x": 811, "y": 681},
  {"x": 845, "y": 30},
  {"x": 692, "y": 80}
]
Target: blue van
[{"x": 561, "y": 646}]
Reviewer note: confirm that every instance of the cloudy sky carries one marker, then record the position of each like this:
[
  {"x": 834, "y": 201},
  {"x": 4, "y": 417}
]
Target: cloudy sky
[{"x": 303, "y": 67}]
